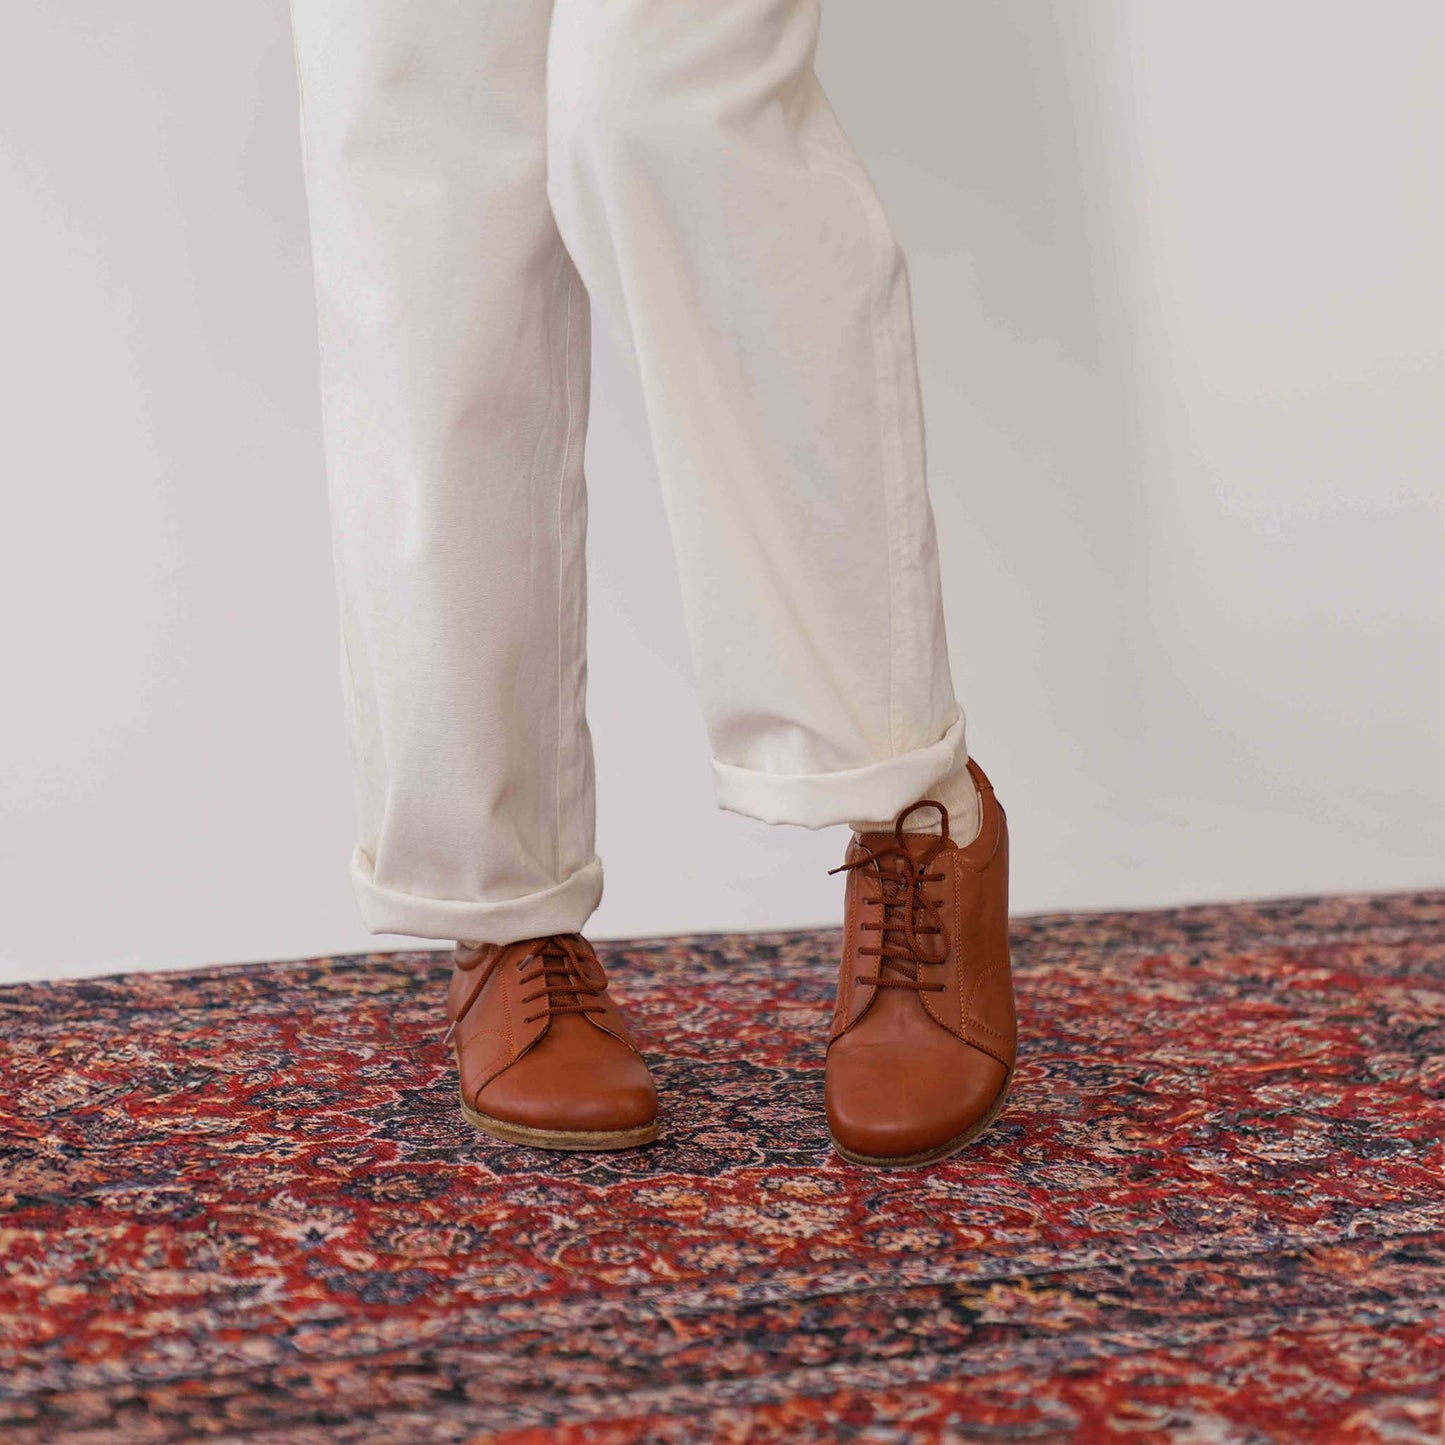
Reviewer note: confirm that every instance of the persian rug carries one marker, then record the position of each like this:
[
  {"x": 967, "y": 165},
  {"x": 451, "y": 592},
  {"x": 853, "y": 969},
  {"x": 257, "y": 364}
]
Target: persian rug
[{"x": 241, "y": 1204}]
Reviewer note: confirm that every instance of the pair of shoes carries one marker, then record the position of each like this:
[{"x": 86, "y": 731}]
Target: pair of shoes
[{"x": 921, "y": 1049}]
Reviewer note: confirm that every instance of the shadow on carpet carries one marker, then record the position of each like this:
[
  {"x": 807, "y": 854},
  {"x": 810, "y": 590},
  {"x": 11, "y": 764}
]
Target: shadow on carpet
[{"x": 241, "y": 1203}]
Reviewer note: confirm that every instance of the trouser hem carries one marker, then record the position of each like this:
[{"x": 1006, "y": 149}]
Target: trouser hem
[
  {"x": 563, "y": 908},
  {"x": 819, "y": 800}
]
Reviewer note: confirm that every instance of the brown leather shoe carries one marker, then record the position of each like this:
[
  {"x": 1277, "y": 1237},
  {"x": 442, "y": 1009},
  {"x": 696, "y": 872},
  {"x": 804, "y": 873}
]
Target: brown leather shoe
[
  {"x": 921, "y": 1052},
  {"x": 542, "y": 1053}
]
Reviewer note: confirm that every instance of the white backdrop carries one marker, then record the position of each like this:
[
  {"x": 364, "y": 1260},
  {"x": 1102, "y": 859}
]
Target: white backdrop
[{"x": 1179, "y": 301}]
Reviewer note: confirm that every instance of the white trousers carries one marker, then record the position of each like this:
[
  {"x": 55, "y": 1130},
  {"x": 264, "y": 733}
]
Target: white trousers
[{"x": 477, "y": 171}]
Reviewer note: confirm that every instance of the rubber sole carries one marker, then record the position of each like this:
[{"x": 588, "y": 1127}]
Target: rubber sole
[
  {"x": 942, "y": 1151},
  {"x": 574, "y": 1140}
]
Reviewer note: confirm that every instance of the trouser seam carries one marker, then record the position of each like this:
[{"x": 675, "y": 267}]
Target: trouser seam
[
  {"x": 879, "y": 309},
  {"x": 562, "y": 563},
  {"x": 531, "y": 485}
]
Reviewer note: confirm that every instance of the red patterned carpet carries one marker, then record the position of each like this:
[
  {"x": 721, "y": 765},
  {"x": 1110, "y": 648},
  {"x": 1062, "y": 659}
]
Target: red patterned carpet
[{"x": 241, "y": 1204}]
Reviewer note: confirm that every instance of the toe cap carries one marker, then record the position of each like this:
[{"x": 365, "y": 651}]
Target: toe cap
[
  {"x": 573, "y": 1081},
  {"x": 884, "y": 1103}
]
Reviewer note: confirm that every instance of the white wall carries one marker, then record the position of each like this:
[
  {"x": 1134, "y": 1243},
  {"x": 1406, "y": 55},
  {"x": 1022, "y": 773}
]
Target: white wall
[{"x": 1178, "y": 291}]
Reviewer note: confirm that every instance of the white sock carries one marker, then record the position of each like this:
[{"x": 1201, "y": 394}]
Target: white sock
[{"x": 958, "y": 794}]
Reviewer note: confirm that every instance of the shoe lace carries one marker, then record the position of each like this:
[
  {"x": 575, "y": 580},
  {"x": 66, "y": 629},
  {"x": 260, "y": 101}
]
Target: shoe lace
[
  {"x": 910, "y": 928},
  {"x": 571, "y": 976}
]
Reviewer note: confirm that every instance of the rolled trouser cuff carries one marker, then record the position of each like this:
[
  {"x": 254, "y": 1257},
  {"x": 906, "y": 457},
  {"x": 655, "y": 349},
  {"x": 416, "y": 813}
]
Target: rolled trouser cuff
[
  {"x": 819, "y": 800},
  {"x": 563, "y": 908}
]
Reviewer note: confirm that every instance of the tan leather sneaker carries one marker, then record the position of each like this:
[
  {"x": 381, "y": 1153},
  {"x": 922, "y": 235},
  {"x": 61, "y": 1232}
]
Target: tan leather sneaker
[
  {"x": 921, "y": 1052},
  {"x": 542, "y": 1053}
]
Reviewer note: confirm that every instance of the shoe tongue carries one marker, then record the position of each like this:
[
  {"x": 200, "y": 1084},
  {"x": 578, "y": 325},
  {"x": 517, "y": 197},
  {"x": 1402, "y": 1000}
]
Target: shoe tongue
[
  {"x": 556, "y": 959},
  {"x": 916, "y": 843},
  {"x": 896, "y": 1009}
]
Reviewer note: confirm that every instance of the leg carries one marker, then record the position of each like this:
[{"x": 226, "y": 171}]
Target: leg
[
  {"x": 454, "y": 370},
  {"x": 454, "y": 353},
  {"x": 720, "y": 217},
  {"x": 716, "y": 210}
]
